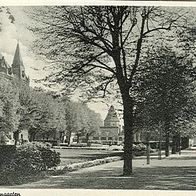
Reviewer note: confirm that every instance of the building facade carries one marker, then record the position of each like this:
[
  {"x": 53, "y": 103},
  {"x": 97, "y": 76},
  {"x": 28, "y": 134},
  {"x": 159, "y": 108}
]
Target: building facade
[
  {"x": 112, "y": 132},
  {"x": 17, "y": 68}
]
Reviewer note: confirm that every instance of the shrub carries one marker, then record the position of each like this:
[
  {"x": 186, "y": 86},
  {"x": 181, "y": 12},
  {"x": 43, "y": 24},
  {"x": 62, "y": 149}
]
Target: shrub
[
  {"x": 50, "y": 158},
  {"x": 28, "y": 161},
  {"x": 6, "y": 153},
  {"x": 139, "y": 149}
]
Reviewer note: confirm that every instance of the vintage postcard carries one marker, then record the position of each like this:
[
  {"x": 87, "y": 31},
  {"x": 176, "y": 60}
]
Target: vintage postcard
[{"x": 97, "y": 97}]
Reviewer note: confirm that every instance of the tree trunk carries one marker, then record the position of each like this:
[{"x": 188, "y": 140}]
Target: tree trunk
[
  {"x": 148, "y": 148},
  {"x": 128, "y": 135},
  {"x": 159, "y": 150},
  {"x": 167, "y": 144},
  {"x": 180, "y": 143},
  {"x": 160, "y": 145},
  {"x": 87, "y": 140},
  {"x": 68, "y": 138},
  {"x": 16, "y": 137},
  {"x": 78, "y": 139},
  {"x": 32, "y": 134},
  {"x": 174, "y": 144}
]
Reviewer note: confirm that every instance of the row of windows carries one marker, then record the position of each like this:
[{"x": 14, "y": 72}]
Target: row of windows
[
  {"x": 9, "y": 71},
  {"x": 109, "y": 138}
]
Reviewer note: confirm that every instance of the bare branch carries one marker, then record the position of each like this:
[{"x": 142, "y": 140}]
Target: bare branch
[{"x": 106, "y": 85}]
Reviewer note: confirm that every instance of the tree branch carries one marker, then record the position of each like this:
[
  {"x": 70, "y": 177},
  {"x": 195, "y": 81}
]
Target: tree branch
[{"x": 106, "y": 85}]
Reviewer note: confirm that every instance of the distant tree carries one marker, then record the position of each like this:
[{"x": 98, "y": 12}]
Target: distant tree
[
  {"x": 41, "y": 114},
  {"x": 80, "y": 120}
]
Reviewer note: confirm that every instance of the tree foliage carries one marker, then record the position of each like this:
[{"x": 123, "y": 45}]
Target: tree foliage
[
  {"x": 94, "y": 45},
  {"x": 167, "y": 91},
  {"x": 9, "y": 107},
  {"x": 43, "y": 115}
]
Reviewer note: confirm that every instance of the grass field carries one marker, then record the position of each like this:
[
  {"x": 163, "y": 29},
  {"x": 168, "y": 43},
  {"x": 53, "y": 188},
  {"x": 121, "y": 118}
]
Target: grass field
[{"x": 69, "y": 156}]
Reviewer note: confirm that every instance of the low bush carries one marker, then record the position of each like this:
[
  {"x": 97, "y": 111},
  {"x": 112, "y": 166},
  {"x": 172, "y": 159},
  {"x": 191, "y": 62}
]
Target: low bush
[
  {"x": 6, "y": 153},
  {"x": 139, "y": 149},
  {"x": 29, "y": 160},
  {"x": 49, "y": 157}
]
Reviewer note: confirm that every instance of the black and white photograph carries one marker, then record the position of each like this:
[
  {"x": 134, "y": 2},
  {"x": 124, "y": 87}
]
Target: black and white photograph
[{"x": 98, "y": 96}]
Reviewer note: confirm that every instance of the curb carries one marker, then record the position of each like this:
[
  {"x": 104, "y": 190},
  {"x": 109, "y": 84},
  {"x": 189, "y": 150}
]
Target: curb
[
  {"x": 77, "y": 166},
  {"x": 88, "y": 148}
]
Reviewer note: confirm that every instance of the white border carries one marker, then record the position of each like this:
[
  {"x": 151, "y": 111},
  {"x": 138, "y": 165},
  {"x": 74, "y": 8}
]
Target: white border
[
  {"x": 95, "y": 192},
  {"x": 95, "y": 2}
]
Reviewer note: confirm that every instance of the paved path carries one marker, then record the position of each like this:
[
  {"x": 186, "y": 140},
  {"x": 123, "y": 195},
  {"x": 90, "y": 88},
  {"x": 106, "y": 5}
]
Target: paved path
[{"x": 177, "y": 172}]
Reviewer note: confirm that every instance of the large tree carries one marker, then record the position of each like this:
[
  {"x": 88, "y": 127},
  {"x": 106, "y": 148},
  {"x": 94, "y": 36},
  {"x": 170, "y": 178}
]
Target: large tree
[
  {"x": 167, "y": 89},
  {"x": 92, "y": 46}
]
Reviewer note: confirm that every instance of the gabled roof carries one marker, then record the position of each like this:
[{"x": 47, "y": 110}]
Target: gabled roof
[
  {"x": 112, "y": 115},
  {"x": 17, "y": 57}
]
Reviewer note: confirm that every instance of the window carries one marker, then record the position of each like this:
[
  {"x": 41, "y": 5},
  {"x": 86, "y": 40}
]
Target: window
[
  {"x": 110, "y": 138},
  {"x": 10, "y": 71},
  {"x": 120, "y": 138},
  {"x": 103, "y": 138},
  {"x": 95, "y": 138},
  {"x": 23, "y": 74}
]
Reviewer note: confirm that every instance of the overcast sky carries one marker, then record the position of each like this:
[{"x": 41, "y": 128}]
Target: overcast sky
[{"x": 17, "y": 32}]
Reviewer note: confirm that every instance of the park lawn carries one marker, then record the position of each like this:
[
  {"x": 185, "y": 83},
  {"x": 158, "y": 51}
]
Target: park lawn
[{"x": 69, "y": 156}]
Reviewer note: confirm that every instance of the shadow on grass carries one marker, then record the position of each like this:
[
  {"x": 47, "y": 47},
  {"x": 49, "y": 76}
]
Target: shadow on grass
[
  {"x": 164, "y": 178},
  {"x": 183, "y": 158},
  {"x": 152, "y": 178}
]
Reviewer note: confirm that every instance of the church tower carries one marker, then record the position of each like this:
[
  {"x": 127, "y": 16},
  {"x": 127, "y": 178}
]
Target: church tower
[
  {"x": 18, "y": 68},
  {"x": 111, "y": 119}
]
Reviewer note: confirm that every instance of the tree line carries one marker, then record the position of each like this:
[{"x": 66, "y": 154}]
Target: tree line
[{"x": 43, "y": 114}]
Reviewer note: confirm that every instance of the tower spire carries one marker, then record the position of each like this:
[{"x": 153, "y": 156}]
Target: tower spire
[
  {"x": 17, "y": 57},
  {"x": 17, "y": 65}
]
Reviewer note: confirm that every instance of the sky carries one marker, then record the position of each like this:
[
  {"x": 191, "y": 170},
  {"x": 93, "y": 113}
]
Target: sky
[{"x": 12, "y": 33}]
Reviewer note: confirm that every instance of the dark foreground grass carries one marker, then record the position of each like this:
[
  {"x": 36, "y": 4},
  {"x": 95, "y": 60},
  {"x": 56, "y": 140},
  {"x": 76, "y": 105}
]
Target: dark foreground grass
[
  {"x": 167, "y": 174},
  {"x": 163, "y": 178}
]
